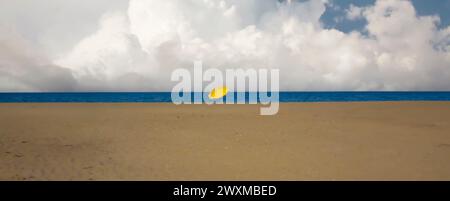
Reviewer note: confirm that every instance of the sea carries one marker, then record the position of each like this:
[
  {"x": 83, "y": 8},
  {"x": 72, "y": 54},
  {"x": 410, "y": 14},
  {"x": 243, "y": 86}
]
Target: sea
[{"x": 109, "y": 97}]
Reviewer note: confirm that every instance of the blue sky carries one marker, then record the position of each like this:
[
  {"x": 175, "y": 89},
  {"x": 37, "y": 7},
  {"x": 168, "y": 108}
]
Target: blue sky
[{"x": 423, "y": 7}]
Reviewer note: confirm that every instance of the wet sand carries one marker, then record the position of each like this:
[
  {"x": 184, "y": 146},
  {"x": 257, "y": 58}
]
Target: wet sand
[{"x": 162, "y": 141}]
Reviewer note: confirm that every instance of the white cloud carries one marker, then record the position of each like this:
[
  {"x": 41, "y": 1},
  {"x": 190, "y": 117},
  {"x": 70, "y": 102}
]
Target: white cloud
[
  {"x": 354, "y": 12},
  {"x": 54, "y": 26},
  {"x": 23, "y": 69},
  {"x": 136, "y": 48}
]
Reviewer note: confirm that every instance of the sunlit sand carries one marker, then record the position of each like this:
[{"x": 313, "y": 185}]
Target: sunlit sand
[{"x": 162, "y": 141}]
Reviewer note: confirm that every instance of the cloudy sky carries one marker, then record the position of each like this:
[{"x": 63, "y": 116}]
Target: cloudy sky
[{"x": 134, "y": 45}]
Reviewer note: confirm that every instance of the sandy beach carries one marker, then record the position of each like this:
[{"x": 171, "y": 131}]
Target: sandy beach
[{"x": 162, "y": 141}]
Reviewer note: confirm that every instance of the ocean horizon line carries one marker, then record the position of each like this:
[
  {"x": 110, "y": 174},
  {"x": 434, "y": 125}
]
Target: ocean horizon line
[{"x": 284, "y": 96}]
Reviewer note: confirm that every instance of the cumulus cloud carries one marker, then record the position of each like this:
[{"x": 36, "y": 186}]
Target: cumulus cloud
[
  {"x": 23, "y": 69},
  {"x": 136, "y": 48}
]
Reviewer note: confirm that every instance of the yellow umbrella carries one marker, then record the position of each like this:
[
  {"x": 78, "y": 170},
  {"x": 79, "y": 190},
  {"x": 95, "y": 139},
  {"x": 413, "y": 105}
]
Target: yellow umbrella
[{"x": 218, "y": 92}]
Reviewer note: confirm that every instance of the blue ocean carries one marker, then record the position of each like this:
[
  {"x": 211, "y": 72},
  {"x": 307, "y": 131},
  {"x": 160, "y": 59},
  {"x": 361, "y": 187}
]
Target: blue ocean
[{"x": 166, "y": 96}]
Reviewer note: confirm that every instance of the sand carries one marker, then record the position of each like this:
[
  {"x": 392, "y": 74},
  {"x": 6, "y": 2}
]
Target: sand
[{"x": 161, "y": 141}]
